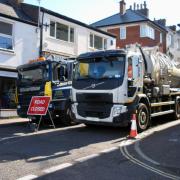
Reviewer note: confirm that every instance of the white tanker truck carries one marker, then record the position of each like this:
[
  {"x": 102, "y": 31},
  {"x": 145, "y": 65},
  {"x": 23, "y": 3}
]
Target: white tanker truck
[{"x": 109, "y": 86}]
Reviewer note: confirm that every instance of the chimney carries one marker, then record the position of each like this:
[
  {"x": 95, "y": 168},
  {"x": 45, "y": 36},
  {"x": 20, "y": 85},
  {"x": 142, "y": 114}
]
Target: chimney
[
  {"x": 173, "y": 28},
  {"x": 145, "y": 5},
  {"x": 15, "y": 2},
  {"x": 161, "y": 21},
  {"x": 142, "y": 9},
  {"x": 137, "y": 6},
  {"x": 122, "y": 7}
]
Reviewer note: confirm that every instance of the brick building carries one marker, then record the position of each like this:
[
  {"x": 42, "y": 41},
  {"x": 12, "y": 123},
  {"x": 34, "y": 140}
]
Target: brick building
[{"x": 134, "y": 26}]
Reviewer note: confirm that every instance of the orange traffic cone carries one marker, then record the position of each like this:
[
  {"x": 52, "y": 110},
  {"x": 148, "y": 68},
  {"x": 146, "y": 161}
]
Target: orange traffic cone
[{"x": 133, "y": 132}]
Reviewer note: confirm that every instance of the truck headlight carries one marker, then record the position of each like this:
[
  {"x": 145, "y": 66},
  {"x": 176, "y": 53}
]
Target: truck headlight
[
  {"x": 116, "y": 111},
  {"x": 18, "y": 107}
]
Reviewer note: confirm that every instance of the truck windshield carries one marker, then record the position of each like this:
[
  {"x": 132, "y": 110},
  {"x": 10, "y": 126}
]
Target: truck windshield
[
  {"x": 100, "y": 68},
  {"x": 36, "y": 74}
]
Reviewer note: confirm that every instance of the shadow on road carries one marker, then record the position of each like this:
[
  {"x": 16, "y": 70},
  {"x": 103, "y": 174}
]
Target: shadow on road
[
  {"x": 55, "y": 144},
  {"x": 107, "y": 166}
]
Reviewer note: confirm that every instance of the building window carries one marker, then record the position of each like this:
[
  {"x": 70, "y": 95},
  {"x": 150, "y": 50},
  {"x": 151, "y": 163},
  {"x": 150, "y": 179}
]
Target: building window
[
  {"x": 61, "y": 31},
  {"x": 97, "y": 42},
  {"x": 71, "y": 34},
  {"x": 147, "y": 31},
  {"x": 91, "y": 40},
  {"x": 178, "y": 44},
  {"x": 170, "y": 40},
  {"x": 161, "y": 39},
  {"x": 6, "y": 36},
  {"x": 122, "y": 32},
  {"x": 105, "y": 44},
  {"x": 52, "y": 28}
]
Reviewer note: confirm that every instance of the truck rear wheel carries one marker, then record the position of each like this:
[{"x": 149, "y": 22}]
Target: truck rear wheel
[
  {"x": 143, "y": 118},
  {"x": 177, "y": 108}
]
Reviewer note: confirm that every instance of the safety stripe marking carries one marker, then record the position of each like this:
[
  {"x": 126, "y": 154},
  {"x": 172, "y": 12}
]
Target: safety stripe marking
[
  {"x": 109, "y": 150},
  {"x": 82, "y": 159},
  {"x": 57, "y": 168},
  {"x": 28, "y": 177}
]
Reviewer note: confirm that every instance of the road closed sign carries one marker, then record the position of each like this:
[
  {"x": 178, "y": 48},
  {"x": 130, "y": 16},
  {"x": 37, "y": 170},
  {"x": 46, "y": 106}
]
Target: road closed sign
[{"x": 38, "y": 105}]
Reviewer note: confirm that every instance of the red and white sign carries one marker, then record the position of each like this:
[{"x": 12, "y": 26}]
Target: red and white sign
[{"x": 39, "y": 105}]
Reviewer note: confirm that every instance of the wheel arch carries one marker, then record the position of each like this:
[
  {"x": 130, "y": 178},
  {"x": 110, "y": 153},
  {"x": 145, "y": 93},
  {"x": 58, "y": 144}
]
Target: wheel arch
[{"x": 142, "y": 98}]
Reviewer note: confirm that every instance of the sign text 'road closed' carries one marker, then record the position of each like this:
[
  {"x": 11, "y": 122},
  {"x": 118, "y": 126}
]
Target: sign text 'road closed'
[{"x": 39, "y": 105}]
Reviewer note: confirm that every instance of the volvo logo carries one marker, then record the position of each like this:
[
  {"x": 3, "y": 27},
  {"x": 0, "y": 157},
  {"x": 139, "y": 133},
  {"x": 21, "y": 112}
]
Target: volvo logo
[{"x": 94, "y": 85}]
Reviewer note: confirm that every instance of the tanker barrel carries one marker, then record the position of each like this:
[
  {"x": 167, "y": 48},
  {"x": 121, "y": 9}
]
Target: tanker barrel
[{"x": 175, "y": 72}]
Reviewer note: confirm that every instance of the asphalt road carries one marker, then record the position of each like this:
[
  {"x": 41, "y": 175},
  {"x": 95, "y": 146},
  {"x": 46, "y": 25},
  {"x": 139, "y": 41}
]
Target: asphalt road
[{"x": 79, "y": 152}]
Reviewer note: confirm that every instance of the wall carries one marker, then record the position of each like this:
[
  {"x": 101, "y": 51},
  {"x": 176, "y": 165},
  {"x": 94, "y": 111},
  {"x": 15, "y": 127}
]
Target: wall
[
  {"x": 25, "y": 44},
  {"x": 81, "y": 43},
  {"x": 174, "y": 49},
  {"x": 133, "y": 36}
]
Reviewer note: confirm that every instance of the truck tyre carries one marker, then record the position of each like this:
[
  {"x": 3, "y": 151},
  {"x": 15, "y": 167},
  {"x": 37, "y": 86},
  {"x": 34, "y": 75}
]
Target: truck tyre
[
  {"x": 177, "y": 108},
  {"x": 143, "y": 118},
  {"x": 65, "y": 117},
  {"x": 90, "y": 125}
]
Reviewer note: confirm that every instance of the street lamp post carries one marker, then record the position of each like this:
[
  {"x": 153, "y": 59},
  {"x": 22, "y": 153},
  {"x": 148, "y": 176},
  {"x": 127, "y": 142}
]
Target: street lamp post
[
  {"x": 40, "y": 28},
  {"x": 39, "y": 10}
]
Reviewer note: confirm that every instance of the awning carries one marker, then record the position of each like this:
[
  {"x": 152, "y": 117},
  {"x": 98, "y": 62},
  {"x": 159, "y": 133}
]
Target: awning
[{"x": 8, "y": 74}]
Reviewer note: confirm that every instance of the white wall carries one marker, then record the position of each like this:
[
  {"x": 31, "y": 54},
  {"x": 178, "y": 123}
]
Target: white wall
[
  {"x": 174, "y": 47},
  {"x": 81, "y": 43},
  {"x": 25, "y": 43}
]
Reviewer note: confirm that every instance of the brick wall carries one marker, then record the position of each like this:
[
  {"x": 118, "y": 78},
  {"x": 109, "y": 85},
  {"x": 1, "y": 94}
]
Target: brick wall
[{"x": 133, "y": 36}]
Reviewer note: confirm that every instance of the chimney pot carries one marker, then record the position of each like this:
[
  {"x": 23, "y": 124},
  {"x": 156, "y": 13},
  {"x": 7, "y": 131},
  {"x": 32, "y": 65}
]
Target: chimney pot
[
  {"x": 134, "y": 6},
  {"x": 145, "y": 5},
  {"x": 15, "y": 2},
  {"x": 137, "y": 6}
]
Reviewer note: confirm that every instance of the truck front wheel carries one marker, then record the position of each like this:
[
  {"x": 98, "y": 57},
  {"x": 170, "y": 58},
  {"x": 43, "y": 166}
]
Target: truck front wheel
[
  {"x": 66, "y": 118},
  {"x": 143, "y": 117}
]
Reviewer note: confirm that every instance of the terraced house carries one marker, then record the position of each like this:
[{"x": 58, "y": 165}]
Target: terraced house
[
  {"x": 26, "y": 33},
  {"x": 134, "y": 26}
]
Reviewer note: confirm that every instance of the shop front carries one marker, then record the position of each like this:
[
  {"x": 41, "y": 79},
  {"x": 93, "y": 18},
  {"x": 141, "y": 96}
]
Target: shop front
[{"x": 7, "y": 92}]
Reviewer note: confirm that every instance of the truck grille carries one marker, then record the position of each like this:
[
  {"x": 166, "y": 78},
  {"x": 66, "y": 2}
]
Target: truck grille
[
  {"x": 25, "y": 98},
  {"x": 95, "y": 97},
  {"x": 100, "y": 111}
]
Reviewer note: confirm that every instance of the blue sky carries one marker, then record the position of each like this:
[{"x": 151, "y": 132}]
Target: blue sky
[{"x": 93, "y": 10}]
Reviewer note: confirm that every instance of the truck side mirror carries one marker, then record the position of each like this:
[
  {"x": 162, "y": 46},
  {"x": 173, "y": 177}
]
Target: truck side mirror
[{"x": 62, "y": 71}]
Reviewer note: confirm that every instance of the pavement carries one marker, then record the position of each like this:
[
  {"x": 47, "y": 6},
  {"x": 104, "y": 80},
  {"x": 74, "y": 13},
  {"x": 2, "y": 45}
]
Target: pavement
[{"x": 4, "y": 121}]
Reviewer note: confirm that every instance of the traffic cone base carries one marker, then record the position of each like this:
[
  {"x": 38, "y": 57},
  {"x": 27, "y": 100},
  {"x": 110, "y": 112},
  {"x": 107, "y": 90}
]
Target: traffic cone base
[{"x": 133, "y": 132}]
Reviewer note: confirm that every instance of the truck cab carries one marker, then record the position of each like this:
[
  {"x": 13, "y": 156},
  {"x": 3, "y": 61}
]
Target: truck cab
[
  {"x": 46, "y": 78},
  {"x": 104, "y": 87}
]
